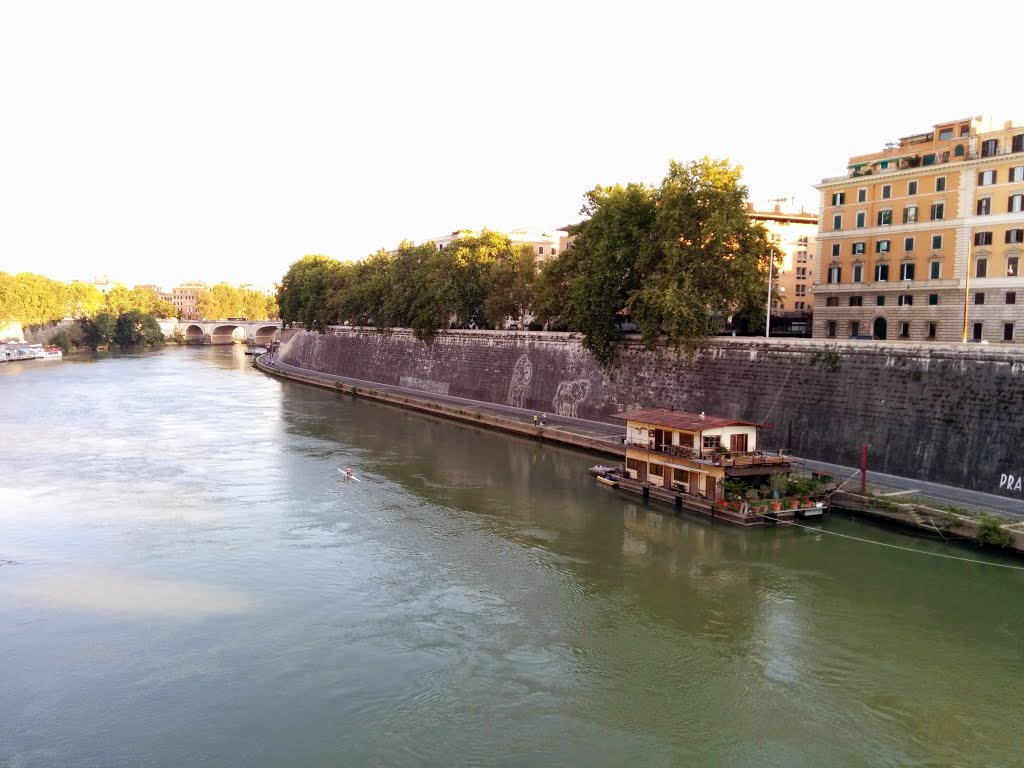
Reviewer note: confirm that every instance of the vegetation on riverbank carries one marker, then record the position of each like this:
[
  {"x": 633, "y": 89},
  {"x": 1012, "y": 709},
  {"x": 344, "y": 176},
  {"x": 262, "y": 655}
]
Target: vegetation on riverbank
[
  {"x": 674, "y": 261},
  {"x": 128, "y": 330}
]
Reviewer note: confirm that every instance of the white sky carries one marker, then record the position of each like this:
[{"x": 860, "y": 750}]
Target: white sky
[{"x": 163, "y": 142}]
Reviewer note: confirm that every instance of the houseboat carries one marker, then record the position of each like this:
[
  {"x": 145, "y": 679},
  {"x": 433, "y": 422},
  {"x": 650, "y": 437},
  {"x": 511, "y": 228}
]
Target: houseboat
[
  {"x": 13, "y": 351},
  {"x": 712, "y": 465}
]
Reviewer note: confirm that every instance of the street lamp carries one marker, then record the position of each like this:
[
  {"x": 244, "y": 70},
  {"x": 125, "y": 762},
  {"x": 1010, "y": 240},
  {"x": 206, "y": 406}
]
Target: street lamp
[{"x": 768, "y": 318}]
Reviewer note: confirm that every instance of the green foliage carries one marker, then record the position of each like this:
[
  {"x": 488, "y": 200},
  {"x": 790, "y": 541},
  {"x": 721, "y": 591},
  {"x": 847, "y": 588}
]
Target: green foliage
[
  {"x": 677, "y": 260},
  {"x": 67, "y": 338},
  {"x": 98, "y": 331},
  {"x": 992, "y": 533},
  {"x": 307, "y": 294},
  {"x": 137, "y": 329},
  {"x": 225, "y": 300}
]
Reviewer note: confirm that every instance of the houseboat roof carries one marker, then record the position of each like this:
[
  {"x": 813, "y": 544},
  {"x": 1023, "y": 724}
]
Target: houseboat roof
[{"x": 684, "y": 420}]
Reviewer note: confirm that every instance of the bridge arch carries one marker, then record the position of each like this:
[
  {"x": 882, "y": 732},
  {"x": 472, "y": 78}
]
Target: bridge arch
[
  {"x": 227, "y": 334},
  {"x": 267, "y": 333},
  {"x": 194, "y": 335}
]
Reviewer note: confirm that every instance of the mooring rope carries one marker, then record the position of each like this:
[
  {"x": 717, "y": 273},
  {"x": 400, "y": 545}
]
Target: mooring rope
[{"x": 897, "y": 546}]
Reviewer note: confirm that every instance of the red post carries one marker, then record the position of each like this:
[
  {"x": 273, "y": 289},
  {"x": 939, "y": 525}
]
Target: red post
[{"x": 864, "y": 468}]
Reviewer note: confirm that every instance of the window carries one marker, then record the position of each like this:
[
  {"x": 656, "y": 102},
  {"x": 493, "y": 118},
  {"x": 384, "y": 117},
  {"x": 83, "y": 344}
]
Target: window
[
  {"x": 907, "y": 271},
  {"x": 1007, "y": 331},
  {"x": 858, "y": 273},
  {"x": 984, "y": 206},
  {"x": 801, "y": 290},
  {"x": 636, "y": 465},
  {"x": 857, "y": 248},
  {"x": 904, "y": 330},
  {"x": 940, "y": 184},
  {"x": 801, "y": 256},
  {"x": 981, "y": 268},
  {"x": 831, "y": 329},
  {"x": 1014, "y": 236},
  {"x": 946, "y": 134},
  {"x": 832, "y": 301},
  {"x": 910, "y": 214},
  {"x": 801, "y": 273},
  {"x": 932, "y": 328},
  {"x": 803, "y": 241},
  {"x": 856, "y": 301},
  {"x": 838, "y": 198},
  {"x": 886, "y": 191},
  {"x": 977, "y": 332},
  {"x": 958, "y": 151},
  {"x": 712, "y": 442},
  {"x": 835, "y": 250},
  {"x": 1011, "y": 266},
  {"x": 1017, "y": 173},
  {"x": 554, "y": 251},
  {"x": 938, "y": 211},
  {"x": 986, "y": 178},
  {"x": 854, "y": 328},
  {"x": 908, "y": 244},
  {"x": 979, "y": 298},
  {"x": 837, "y": 222},
  {"x": 1015, "y": 204},
  {"x": 905, "y": 300},
  {"x": 1011, "y": 297},
  {"x": 862, "y": 195},
  {"x": 800, "y": 305},
  {"x": 860, "y": 219},
  {"x": 881, "y": 273},
  {"x": 933, "y": 299},
  {"x": 656, "y": 469},
  {"x": 882, "y": 246},
  {"x": 884, "y": 217},
  {"x": 989, "y": 147},
  {"x": 880, "y": 301},
  {"x": 928, "y": 159},
  {"x": 540, "y": 251},
  {"x": 834, "y": 273},
  {"x": 935, "y": 270},
  {"x": 983, "y": 238},
  {"x": 911, "y": 187},
  {"x": 936, "y": 242},
  {"x": 1017, "y": 143}
]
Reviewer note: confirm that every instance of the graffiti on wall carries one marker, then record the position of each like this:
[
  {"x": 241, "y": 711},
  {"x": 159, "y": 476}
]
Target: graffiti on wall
[
  {"x": 569, "y": 395},
  {"x": 522, "y": 372},
  {"x": 1010, "y": 483},
  {"x": 424, "y": 385}
]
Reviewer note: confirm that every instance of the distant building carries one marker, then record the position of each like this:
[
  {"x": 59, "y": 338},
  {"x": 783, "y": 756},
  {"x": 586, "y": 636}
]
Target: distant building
[
  {"x": 925, "y": 235},
  {"x": 103, "y": 284},
  {"x": 793, "y": 233},
  {"x": 184, "y": 297},
  {"x": 546, "y": 244}
]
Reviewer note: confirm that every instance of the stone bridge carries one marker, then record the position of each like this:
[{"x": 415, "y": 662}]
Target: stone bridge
[{"x": 230, "y": 331}]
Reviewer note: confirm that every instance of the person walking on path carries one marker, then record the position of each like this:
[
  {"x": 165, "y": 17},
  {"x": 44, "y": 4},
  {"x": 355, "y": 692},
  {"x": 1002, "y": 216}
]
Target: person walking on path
[{"x": 535, "y": 419}]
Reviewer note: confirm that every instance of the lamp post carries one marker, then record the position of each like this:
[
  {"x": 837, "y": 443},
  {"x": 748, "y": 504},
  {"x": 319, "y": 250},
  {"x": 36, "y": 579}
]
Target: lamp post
[{"x": 768, "y": 319}]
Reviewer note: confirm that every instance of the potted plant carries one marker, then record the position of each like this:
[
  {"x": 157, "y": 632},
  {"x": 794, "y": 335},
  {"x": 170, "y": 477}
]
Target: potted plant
[{"x": 776, "y": 505}]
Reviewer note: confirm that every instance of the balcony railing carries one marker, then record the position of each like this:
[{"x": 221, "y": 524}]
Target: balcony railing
[{"x": 716, "y": 456}]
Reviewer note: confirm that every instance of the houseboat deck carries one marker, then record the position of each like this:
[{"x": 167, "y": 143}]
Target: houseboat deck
[{"x": 739, "y": 513}]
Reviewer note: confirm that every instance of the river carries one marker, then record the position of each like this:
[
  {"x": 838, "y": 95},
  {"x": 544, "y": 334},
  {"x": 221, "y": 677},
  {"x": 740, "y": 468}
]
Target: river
[{"x": 186, "y": 579}]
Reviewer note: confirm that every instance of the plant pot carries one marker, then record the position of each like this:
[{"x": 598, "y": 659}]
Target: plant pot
[
  {"x": 794, "y": 504},
  {"x": 776, "y": 506}
]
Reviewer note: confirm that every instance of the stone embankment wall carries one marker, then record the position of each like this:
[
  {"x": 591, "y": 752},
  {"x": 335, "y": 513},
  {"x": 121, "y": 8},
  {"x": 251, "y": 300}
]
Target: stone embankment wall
[{"x": 948, "y": 414}]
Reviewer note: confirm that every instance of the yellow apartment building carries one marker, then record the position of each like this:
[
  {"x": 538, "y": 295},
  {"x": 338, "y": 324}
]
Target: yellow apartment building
[
  {"x": 928, "y": 231},
  {"x": 794, "y": 233}
]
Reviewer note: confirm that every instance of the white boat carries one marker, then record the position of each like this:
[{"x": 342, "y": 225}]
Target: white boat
[{"x": 13, "y": 351}]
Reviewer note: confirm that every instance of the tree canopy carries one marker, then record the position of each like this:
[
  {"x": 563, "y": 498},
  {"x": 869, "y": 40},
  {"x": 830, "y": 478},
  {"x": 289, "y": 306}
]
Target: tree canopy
[
  {"x": 226, "y": 300},
  {"x": 676, "y": 260}
]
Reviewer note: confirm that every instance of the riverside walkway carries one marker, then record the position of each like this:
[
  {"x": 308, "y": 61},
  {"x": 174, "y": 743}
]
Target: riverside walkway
[{"x": 609, "y": 439}]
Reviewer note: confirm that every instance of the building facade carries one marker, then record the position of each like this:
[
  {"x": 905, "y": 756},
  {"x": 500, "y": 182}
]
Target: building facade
[
  {"x": 184, "y": 297},
  {"x": 793, "y": 233},
  {"x": 924, "y": 236}
]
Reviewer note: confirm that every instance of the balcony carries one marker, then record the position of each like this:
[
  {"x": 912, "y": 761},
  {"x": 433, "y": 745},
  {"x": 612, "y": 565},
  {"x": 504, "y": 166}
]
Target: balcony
[{"x": 716, "y": 457}]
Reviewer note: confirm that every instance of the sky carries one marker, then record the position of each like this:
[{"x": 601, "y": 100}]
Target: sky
[{"x": 165, "y": 142}]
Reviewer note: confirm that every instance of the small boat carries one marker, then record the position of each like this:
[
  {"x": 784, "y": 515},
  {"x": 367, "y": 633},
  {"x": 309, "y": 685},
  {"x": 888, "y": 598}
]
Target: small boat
[
  {"x": 599, "y": 469},
  {"x": 611, "y": 482}
]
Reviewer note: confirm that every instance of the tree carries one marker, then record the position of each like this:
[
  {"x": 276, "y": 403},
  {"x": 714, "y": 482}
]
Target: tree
[
  {"x": 509, "y": 285},
  {"x": 307, "y": 293},
  {"x": 675, "y": 259},
  {"x": 137, "y": 329},
  {"x": 98, "y": 331}
]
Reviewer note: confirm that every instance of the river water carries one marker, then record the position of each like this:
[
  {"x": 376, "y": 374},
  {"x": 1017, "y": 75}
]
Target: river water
[{"x": 186, "y": 579}]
